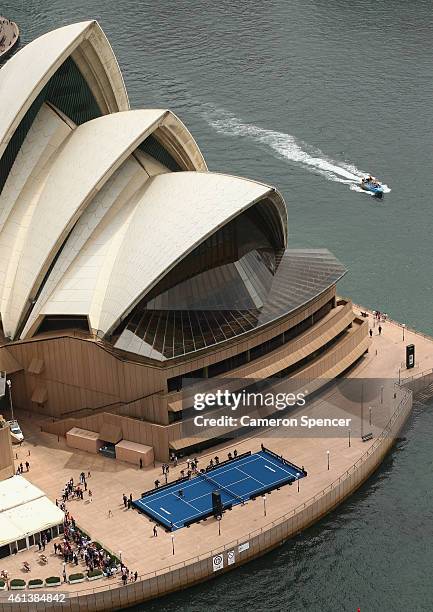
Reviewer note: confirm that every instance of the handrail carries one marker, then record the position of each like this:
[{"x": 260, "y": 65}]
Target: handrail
[
  {"x": 407, "y": 394},
  {"x": 408, "y": 379}
]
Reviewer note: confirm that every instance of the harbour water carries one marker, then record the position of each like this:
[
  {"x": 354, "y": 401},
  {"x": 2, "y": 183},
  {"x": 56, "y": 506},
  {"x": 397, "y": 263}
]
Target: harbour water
[{"x": 307, "y": 96}]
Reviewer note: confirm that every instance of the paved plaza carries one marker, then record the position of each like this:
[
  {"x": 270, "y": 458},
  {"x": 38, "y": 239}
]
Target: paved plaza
[{"x": 130, "y": 534}]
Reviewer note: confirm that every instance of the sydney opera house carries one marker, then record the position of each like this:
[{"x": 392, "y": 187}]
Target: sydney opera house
[{"x": 127, "y": 267}]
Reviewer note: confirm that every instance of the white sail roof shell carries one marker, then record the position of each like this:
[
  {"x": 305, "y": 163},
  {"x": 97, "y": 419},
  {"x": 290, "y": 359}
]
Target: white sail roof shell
[{"x": 91, "y": 216}]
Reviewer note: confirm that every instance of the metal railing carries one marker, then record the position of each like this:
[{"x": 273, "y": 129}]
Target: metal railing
[{"x": 408, "y": 328}]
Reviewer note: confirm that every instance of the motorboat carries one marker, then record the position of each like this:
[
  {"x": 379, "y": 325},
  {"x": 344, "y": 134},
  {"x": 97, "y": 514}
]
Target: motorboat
[{"x": 372, "y": 185}]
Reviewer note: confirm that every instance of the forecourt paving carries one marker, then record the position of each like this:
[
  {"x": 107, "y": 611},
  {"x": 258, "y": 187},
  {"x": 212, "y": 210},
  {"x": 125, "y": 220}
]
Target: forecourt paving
[{"x": 53, "y": 464}]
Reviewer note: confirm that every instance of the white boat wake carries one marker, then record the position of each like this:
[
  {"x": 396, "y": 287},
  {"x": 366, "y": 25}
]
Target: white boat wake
[{"x": 287, "y": 147}]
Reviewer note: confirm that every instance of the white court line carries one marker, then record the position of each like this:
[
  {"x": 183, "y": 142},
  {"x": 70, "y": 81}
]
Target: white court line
[
  {"x": 195, "y": 499},
  {"x": 280, "y": 467},
  {"x": 164, "y": 518},
  {"x": 227, "y": 487},
  {"x": 195, "y": 479},
  {"x": 166, "y": 511},
  {"x": 276, "y": 483},
  {"x": 189, "y": 504},
  {"x": 269, "y": 468},
  {"x": 252, "y": 477},
  {"x": 230, "y": 467}
]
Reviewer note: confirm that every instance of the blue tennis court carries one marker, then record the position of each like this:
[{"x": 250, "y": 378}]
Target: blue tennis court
[{"x": 187, "y": 501}]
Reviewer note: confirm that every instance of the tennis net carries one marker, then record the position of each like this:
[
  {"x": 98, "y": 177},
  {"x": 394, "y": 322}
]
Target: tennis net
[{"x": 219, "y": 486}]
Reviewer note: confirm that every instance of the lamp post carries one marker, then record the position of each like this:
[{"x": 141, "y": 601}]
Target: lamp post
[
  {"x": 172, "y": 542},
  {"x": 349, "y": 436},
  {"x": 298, "y": 475},
  {"x": 219, "y": 524},
  {"x": 369, "y": 415},
  {"x": 381, "y": 394},
  {"x": 403, "y": 328},
  {"x": 9, "y": 384},
  {"x": 328, "y": 453},
  {"x": 264, "y": 505},
  {"x": 120, "y": 557}
]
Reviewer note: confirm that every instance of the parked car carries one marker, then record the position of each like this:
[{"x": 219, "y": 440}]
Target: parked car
[{"x": 16, "y": 433}]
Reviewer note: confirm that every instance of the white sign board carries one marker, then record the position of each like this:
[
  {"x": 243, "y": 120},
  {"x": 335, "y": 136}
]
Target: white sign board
[
  {"x": 243, "y": 547},
  {"x": 231, "y": 557},
  {"x": 217, "y": 562}
]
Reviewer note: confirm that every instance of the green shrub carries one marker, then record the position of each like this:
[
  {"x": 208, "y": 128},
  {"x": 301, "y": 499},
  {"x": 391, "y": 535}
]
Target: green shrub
[
  {"x": 78, "y": 576},
  {"x": 2, "y": 583},
  {"x": 95, "y": 572},
  {"x": 52, "y": 580},
  {"x": 18, "y": 582},
  {"x": 35, "y": 581},
  {"x": 98, "y": 545}
]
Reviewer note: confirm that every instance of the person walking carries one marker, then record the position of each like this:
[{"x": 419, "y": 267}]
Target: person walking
[
  {"x": 370, "y": 332},
  {"x": 380, "y": 330},
  {"x": 27, "y": 466},
  {"x": 125, "y": 500},
  {"x": 141, "y": 463},
  {"x": 155, "y": 531},
  {"x": 90, "y": 496}
]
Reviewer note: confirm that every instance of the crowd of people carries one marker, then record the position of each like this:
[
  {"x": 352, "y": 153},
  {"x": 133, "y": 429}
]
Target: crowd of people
[
  {"x": 380, "y": 316},
  {"x": 76, "y": 547},
  {"x": 74, "y": 491}
]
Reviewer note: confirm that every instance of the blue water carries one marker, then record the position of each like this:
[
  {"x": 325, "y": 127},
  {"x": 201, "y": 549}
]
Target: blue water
[{"x": 308, "y": 96}]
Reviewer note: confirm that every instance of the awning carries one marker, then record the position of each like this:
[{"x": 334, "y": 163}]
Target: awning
[
  {"x": 16, "y": 491},
  {"x": 24, "y": 510},
  {"x": 110, "y": 433},
  {"x": 40, "y": 395},
  {"x": 36, "y": 366}
]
